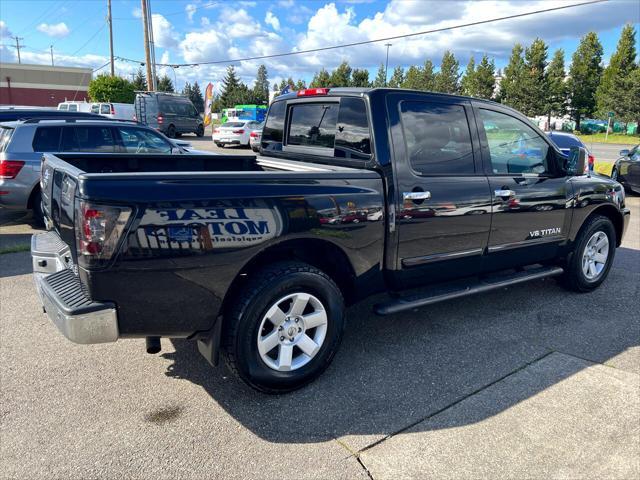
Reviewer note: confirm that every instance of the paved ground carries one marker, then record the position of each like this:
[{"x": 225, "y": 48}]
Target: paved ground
[{"x": 529, "y": 381}]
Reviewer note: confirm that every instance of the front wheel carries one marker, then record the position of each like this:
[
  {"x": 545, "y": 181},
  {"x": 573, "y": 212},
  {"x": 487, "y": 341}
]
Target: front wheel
[
  {"x": 614, "y": 174},
  {"x": 591, "y": 260},
  {"x": 284, "y": 327}
]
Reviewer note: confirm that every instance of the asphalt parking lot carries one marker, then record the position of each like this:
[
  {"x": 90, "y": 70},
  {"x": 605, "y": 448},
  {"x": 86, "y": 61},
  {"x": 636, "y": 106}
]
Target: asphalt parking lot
[{"x": 526, "y": 382}]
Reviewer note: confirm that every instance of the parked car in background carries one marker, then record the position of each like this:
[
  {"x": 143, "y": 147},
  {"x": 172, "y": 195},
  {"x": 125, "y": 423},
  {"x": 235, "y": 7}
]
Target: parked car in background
[
  {"x": 22, "y": 144},
  {"x": 626, "y": 169},
  {"x": 235, "y": 133},
  {"x": 122, "y": 111},
  {"x": 14, "y": 114},
  {"x": 255, "y": 137},
  {"x": 73, "y": 106},
  {"x": 566, "y": 140},
  {"x": 169, "y": 113}
]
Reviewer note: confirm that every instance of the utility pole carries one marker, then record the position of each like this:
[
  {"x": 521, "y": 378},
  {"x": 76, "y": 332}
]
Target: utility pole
[
  {"x": 147, "y": 52},
  {"x": 17, "y": 39},
  {"x": 386, "y": 63},
  {"x": 51, "y": 50},
  {"x": 110, "y": 20}
]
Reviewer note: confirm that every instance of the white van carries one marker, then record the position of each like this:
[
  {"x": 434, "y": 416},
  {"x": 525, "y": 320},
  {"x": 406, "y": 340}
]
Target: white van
[
  {"x": 124, "y": 111},
  {"x": 71, "y": 106}
]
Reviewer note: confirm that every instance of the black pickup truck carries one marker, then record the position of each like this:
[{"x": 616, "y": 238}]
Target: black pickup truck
[{"x": 427, "y": 197}]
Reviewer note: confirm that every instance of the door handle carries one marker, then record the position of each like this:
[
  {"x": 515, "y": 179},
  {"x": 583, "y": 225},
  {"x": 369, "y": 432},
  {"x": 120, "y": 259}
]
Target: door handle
[
  {"x": 416, "y": 195},
  {"x": 505, "y": 193}
]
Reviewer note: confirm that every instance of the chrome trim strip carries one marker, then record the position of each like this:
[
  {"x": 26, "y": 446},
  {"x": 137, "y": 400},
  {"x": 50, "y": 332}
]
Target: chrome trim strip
[
  {"x": 415, "y": 261},
  {"x": 525, "y": 243}
]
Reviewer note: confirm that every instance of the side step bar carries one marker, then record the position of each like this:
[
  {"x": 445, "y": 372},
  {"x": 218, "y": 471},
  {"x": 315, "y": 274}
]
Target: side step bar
[{"x": 439, "y": 294}]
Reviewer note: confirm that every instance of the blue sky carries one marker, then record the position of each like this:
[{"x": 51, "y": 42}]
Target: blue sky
[{"x": 201, "y": 30}]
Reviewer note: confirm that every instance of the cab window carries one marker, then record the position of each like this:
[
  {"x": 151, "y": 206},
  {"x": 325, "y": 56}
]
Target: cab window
[
  {"x": 353, "y": 139},
  {"x": 272, "y": 133},
  {"x": 138, "y": 140},
  {"x": 437, "y": 138},
  {"x": 513, "y": 146},
  {"x": 313, "y": 125}
]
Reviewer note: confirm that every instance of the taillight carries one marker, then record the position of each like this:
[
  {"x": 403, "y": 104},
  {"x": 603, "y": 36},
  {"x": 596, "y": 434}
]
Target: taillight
[
  {"x": 160, "y": 119},
  {"x": 592, "y": 161},
  {"x": 307, "y": 92},
  {"x": 135, "y": 117},
  {"x": 253, "y": 134},
  {"x": 239, "y": 132},
  {"x": 98, "y": 230},
  {"x": 10, "y": 168},
  {"x": 113, "y": 110}
]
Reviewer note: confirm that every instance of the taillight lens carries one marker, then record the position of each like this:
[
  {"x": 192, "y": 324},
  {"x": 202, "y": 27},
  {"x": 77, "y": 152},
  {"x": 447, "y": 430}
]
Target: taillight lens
[
  {"x": 160, "y": 119},
  {"x": 253, "y": 135},
  {"x": 592, "y": 161},
  {"x": 113, "y": 110},
  {"x": 10, "y": 168},
  {"x": 239, "y": 132},
  {"x": 98, "y": 230},
  {"x": 309, "y": 92}
]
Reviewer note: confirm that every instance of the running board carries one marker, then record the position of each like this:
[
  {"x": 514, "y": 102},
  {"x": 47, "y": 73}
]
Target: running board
[{"x": 449, "y": 292}]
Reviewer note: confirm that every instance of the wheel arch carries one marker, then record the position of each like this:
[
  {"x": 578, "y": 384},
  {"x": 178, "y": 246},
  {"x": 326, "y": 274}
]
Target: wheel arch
[
  {"x": 612, "y": 214},
  {"x": 34, "y": 191}
]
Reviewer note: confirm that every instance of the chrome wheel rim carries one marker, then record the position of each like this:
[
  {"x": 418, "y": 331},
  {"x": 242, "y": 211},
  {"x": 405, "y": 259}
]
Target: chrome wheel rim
[
  {"x": 614, "y": 175},
  {"x": 292, "y": 332},
  {"x": 595, "y": 255}
]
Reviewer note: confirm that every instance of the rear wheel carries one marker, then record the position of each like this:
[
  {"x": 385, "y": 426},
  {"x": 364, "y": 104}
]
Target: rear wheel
[
  {"x": 200, "y": 131},
  {"x": 38, "y": 213},
  {"x": 284, "y": 327},
  {"x": 591, "y": 260},
  {"x": 171, "y": 131}
]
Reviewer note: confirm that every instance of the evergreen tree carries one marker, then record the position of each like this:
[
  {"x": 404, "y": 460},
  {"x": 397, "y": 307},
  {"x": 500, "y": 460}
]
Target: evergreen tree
[
  {"x": 428, "y": 77},
  {"x": 231, "y": 90},
  {"x": 283, "y": 85},
  {"x": 186, "y": 91},
  {"x": 360, "y": 78},
  {"x": 381, "y": 77},
  {"x": 485, "y": 78},
  {"x": 628, "y": 97},
  {"x": 165, "y": 84},
  {"x": 397, "y": 79},
  {"x": 556, "y": 99},
  {"x": 512, "y": 91},
  {"x": 261, "y": 86},
  {"x": 140, "y": 81},
  {"x": 413, "y": 78},
  {"x": 584, "y": 77},
  {"x": 468, "y": 84},
  {"x": 447, "y": 78},
  {"x": 320, "y": 79},
  {"x": 621, "y": 65},
  {"x": 535, "y": 81},
  {"x": 301, "y": 84},
  {"x": 275, "y": 87},
  {"x": 341, "y": 76},
  {"x": 196, "y": 97}
]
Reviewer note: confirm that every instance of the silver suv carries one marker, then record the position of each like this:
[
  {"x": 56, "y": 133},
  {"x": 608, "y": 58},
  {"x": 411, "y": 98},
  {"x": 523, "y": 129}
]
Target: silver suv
[{"x": 23, "y": 142}]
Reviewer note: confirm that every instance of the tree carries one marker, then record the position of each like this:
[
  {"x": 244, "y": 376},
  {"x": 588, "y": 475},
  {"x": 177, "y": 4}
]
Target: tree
[
  {"x": 105, "y": 88},
  {"x": 397, "y": 79},
  {"x": 485, "y": 78},
  {"x": 428, "y": 77},
  {"x": 512, "y": 91},
  {"x": 556, "y": 99},
  {"x": 584, "y": 77},
  {"x": 468, "y": 84},
  {"x": 140, "y": 81},
  {"x": 196, "y": 97},
  {"x": 614, "y": 77},
  {"x": 261, "y": 86},
  {"x": 413, "y": 78},
  {"x": 381, "y": 77},
  {"x": 232, "y": 91},
  {"x": 301, "y": 84},
  {"x": 628, "y": 97},
  {"x": 535, "y": 81},
  {"x": 341, "y": 76},
  {"x": 360, "y": 78},
  {"x": 320, "y": 79},
  {"x": 165, "y": 84},
  {"x": 446, "y": 80}
]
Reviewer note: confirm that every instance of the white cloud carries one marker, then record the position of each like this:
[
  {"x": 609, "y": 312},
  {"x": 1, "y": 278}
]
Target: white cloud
[
  {"x": 4, "y": 30},
  {"x": 204, "y": 46},
  {"x": 271, "y": 19},
  {"x": 136, "y": 12},
  {"x": 205, "y": 22},
  {"x": 58, "y": 30},
  {"x": 164, "y": 35},
  {"x": 191, "y": 10}
]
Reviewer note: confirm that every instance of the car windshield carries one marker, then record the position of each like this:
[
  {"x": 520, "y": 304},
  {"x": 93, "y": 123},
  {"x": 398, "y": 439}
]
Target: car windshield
[{"x": 233, "y": 124}]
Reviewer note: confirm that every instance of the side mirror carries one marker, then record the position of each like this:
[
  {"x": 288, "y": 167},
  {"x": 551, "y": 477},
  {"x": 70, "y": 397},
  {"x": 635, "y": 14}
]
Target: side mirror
[
  {"x": 577, "y": 162},
  {"x": 624, "y": 152}
]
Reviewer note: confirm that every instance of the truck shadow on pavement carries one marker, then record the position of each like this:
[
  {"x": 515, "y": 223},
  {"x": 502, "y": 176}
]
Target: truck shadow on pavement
[{"x": 392, "y": 372}]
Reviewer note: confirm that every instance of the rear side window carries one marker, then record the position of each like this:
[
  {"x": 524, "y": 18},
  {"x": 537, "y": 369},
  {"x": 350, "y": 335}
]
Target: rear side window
[
  {"x": 95, "y": 108},
  {"x": 437, "y": 138},
  {"x": 313, "y": 125},
  {"x": 105, "y": 108},
  {"x": 273, "y": 131},
  {"x": 88, "y": 139},
  {"x": 46, "y": 139},
  {"x": 73, "y": 107},
  {"x": 353, "y": 139},
  {"x": 5, "y": 137}
]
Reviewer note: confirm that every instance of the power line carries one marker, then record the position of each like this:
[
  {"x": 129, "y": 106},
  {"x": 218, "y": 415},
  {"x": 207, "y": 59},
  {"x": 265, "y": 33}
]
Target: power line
[
  {"x": 90, "y": 39},
  {"x": 377, "y": 40}
]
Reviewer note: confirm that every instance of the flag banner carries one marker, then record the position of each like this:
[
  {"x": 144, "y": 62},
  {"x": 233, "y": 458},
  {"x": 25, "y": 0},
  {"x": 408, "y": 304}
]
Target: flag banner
[{"x": 208, "y": 100}]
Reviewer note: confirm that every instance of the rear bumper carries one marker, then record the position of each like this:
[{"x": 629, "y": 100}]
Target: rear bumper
[{"x": 66, "y": 302}]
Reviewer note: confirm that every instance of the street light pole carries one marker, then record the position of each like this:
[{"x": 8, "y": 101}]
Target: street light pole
[{"x": 386, "y": 64}]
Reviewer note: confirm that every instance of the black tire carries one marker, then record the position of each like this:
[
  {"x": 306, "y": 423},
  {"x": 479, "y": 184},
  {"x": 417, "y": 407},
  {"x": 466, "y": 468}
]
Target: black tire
[
  {"x": 243, "y": 321},
  {"x": 614, "y": 174},
  {"x": 574, "y": 277},
  {"x": 171, "y": 131},
  {"x": 200, "y": 131},
  {"x": 38, "y": 213}
]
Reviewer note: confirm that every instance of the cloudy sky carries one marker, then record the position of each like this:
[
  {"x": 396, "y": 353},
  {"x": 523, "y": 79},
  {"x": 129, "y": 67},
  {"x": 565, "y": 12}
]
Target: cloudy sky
[{"x": 202, "y": 30}]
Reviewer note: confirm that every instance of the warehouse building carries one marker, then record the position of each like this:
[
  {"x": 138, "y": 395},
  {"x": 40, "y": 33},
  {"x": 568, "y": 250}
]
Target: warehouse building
[{"x": 42, "y": 85}]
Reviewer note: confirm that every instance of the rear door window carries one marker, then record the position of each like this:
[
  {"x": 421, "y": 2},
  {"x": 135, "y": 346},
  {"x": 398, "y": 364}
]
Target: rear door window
[
  {"x": 95, "y": 108},
  {"x": 88, "y": 139},
  {"x": 437, "y": 138},
  {"x": 313, "y": 126},
  {"x": 105, "y": 108},
  {"x": 46, "y": 139},
  {"x": 73, "y": 107}
]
